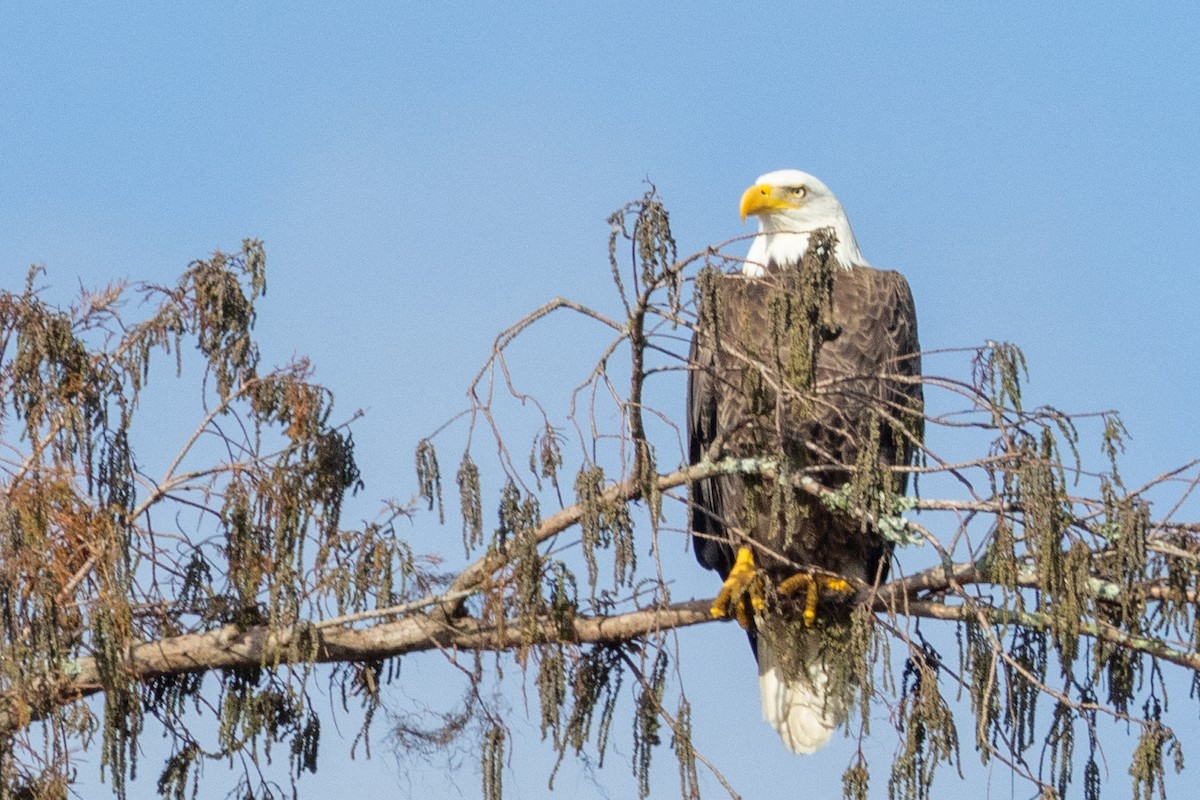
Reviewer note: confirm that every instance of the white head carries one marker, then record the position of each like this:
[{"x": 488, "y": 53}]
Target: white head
[{"x": 790, "y": 204}]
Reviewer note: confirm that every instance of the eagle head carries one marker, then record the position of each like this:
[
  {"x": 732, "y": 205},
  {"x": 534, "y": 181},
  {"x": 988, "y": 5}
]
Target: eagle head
[{"x": 791, "y": 204}]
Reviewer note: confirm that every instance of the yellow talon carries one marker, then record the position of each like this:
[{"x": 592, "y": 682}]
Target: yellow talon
[
  {"x": 811, "y": 585},
  {"x": 744, "y": 583}
]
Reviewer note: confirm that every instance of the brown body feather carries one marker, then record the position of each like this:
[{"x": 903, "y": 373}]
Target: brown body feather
[{"x": 842, "y": 345}]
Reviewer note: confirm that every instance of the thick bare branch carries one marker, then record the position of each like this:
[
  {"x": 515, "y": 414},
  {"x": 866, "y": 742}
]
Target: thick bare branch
[{"x": 230, "y": 647}]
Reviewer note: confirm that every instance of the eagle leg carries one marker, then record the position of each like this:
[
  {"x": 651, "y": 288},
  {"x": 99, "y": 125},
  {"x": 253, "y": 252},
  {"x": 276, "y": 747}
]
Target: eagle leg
[
  {"x": 742, "y": 593},
  {"x": 812, "y": 585}
]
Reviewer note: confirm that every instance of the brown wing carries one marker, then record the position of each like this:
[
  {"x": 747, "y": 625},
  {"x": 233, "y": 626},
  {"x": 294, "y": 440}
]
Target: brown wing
[
  {"x": 866, "y": 364},
  {"x": 707, "y": 500}
]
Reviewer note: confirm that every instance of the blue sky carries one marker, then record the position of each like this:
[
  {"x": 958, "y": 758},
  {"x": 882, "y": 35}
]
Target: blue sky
[{"x": 424, "y": 174}]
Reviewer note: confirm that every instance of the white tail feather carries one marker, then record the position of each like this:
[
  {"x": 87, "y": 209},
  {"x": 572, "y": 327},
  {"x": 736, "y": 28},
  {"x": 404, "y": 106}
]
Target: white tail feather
[{"x": 800, "y": 709}]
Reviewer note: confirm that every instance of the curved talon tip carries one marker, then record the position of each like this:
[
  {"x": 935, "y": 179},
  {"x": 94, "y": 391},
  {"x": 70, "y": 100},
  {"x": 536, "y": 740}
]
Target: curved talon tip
[{"x": 743, "y": 617}]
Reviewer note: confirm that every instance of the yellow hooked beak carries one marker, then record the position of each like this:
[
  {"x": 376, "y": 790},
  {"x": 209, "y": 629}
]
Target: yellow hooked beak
[{"x": 764, "y": 199}]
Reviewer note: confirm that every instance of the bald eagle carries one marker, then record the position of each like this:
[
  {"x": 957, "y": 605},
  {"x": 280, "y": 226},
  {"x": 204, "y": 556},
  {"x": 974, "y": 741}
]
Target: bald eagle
[{"x": 810, "y": 357}]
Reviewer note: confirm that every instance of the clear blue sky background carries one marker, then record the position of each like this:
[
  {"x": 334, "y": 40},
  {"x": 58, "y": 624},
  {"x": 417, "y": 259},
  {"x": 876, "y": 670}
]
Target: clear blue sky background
[{"x": 424, "y": 174}]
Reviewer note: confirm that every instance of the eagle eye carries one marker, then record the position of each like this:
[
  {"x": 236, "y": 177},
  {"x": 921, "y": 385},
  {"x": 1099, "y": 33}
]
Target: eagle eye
[{"x": 799, "y": 191}]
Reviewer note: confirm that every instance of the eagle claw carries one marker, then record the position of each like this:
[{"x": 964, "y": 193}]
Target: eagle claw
[
  {"x": 744, "y": 587},
  {"x": 811, "y": 585}
]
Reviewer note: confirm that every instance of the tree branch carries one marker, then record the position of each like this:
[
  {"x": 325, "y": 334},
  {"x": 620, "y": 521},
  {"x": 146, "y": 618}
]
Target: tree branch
[
  {"x": 1003, "y": 616},
  {"x": 230, "y": 647}
]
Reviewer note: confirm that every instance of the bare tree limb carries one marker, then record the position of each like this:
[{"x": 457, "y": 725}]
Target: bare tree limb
[{"x": 230, "y": 647}]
